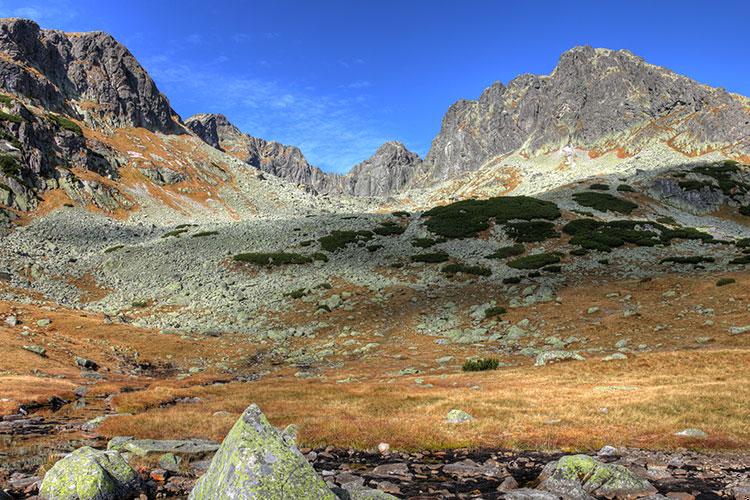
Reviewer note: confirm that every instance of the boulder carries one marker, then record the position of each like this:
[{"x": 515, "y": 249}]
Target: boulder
[
  {"x": 194, "y": 449},
  {"x": 255, "y": 461},
  {"x": 583, "y": 477},
  {"x": 458, "y": 417},
  {"x": 89, "y": 474},
  {"x": 554, "y": 356}
]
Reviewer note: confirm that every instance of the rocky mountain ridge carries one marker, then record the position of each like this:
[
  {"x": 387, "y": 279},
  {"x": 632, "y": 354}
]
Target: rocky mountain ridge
[
  {"x": 385, "y": 173},
  {"x": 597, "y": 100}
]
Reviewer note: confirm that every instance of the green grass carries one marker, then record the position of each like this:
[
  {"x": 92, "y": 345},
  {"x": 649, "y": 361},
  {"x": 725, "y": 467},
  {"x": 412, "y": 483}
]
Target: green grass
[
  {"x": 604, "y": 202},
  {"x": 599, "y": 187},
  {"x": 65, "y": 123},
  {"x": 494, "y": 311},
  {"x": 176, "y": 232},
  {"x": 625, "y": 188},
  {"x": 6, "y": 100},
  {"x": 693, "y": 259},
  {"x": 725, "y": 281},
  {"x": 341, "y": 239},
  {"x": 203, "y": 234},
  {"x": 7, "y": 117},
  {"x": 480, "y": 365},
  {"x": 273, "y": 258},
  {"x": 426, "y": 242},
  {"x": 465, "y": 269},
  {"x": 509, "y": 251},
  {"x": 430, "y": 257},
  {"x": 9, "y": 166},
  {"x": 531, "y": 231},
  {"x": 536, "y": 261},
  {"x": 469, "y": 217}
]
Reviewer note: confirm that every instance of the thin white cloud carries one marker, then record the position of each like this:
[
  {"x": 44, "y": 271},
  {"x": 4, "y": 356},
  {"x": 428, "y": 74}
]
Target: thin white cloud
[{"x": 334, "y": 132}]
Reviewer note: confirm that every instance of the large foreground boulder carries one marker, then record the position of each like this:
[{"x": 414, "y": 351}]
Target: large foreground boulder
[
  {"x": 89, "y": 474},
  {"x": 256, "y": 461},
  {"x": 581, "y": 477}
]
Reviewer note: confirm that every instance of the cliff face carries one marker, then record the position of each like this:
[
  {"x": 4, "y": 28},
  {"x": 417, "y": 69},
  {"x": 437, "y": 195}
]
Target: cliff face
[
  {"x": 595, "y": 99},
  {"x": 385, "y": 173},
  {"x": 88, "y": 76}
]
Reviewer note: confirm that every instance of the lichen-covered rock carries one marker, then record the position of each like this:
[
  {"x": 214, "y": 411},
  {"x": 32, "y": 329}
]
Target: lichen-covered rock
[
  {"x": 255, "y": 461},
  {"x": 456, "y": 416},
  {"x": 89, "y": 474},
  {"x": 359, "y": 492},
  {"x": 554, "y": 356},
  {"x": 583, "y": 477}
]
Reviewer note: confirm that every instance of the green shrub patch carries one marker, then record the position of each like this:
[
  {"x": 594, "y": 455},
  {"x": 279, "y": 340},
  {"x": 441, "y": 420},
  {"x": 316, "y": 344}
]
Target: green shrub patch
[
  {"x": 340, "y": 239},
  {"x": 389, "y": 228},
  {"x": 505, "y": 252},
  {"x": 625, "y": 188},
  {"x": 65, "y": 123},
  {"x": 725, "y": 281},
  {"x": 531, "y": 231},
  {"x": 463, "y": 268},
  {"x": 176, "y": 232},
  {"x": 494, "y": 311},
  {"x": 9, "y": 166},
  {"x": 599, "y": 187},
  {"x": 604, "y": 202},
  {"x": 592, "y": 234},
  {"x": 723, "y": 173},
  {"x": 480, "y": 365},
  {"x": 7, "y": 117},
  {"x": 374, "y": 248},
  {"x": 469, "y": 217},
  {"x": 203, "y": 234},
  {"x": 745, "y": 259},
  {"x": 536, "y": 261},
  {"x": 511, "y": 280},
  {"x": 426, "y": 242},
  {"x": 745, "y": 210},
  {"x": 400, "y": 213},
  {"x": 431, "y": 257},
  {"x": 273, "y": 259}
]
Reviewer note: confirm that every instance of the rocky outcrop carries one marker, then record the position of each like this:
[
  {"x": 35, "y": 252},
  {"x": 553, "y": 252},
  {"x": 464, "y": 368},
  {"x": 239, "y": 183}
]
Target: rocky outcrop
[
  {"x": 257, "y": 461},
  {"x": 387, "y": 172},
  {"x": 89, "y": 474},
  {"x": 89, "y": 76},
  {"x": 595, "y": 99},
  {"x": 583, "y": 477}
]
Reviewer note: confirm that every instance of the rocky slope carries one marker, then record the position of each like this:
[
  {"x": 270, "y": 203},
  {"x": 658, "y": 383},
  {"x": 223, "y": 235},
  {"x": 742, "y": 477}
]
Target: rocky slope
[
  {"x": 385, "y": 173},
  {"x": 597, "y": 100}
]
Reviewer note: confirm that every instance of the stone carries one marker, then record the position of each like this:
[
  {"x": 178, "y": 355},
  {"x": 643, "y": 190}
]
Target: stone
[
  {"x": 36, "y": 349},
  {"x": 456, "y": 416},
  {"x": 89, "y": 474},
  {"x": 11, "y": 320},
  {"x": 608, "y": 453},
  {"x": 581, "y": 477},
  {"x": 394, "y": 469},
  {"x": 194, "y": 449},
  {"x": 618, "y": 356},
  {"x": 355, "y": 491},
  {"x": 256, "y": 462},
  {"x": 43, "y": 322},
  {"x": 738, "y": 330},
  {"x": 170, "y": 462},
  {"x": 554, "y": 356},
  {"x": 384, "y": 448},
  {"x": 592, "y": 310},
  {"x": 87, "y": 364},
  {"x": 529, "y": 494},
  {"x": 692, "y": 433}
]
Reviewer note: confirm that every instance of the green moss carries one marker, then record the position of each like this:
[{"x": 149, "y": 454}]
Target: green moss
[
  {"x": 536, "y": 261},
  {"x": 625, "y": 188},
  {"x": 725, "y": 281},
  {"x": 599, "y": 187},
  {"x": 604, "y": 202},
  {"x": 273, "y": 258},
  {"x": 469, "y": 217},
  {"x": 203, "y": 234},
  {"x": 491, "y": 312},
  {"x": 65, "y": 123},
  {"x": 465, "y": 269},
  {"x": 337, "y": 240},
  {"x": 509, "y": 251},
  {"x": 430, "y": 257},
  {"x": 479, "y": 365},
  {"x": 531, "y": 231}
]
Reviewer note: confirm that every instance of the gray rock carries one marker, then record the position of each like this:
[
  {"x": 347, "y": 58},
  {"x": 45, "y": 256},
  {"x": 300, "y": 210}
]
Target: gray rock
[
  {"x": 456, "y": 416},
  {"x": 187, "y": 448},
  {"x": 89, "y": 474},
  {"x": 546, "y": 357},
  {"x": 255, "y": 461},
  {"x": 692, "y": 433}
]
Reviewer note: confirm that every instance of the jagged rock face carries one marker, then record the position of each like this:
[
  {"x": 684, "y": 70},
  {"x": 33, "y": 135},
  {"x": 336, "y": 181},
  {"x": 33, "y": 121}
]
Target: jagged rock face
[
  {"x": 89, "y": 76},
  {"x": 280, "y": 160},
  {"x": 596, "y": 99},
  {"x": 385, "y": 173}
]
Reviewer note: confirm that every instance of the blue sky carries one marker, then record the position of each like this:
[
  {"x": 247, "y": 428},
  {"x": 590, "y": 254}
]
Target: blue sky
[{"x": 338, "y": 78}]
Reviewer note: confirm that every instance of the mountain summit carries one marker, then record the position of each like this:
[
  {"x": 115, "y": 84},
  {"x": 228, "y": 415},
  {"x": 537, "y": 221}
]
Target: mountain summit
[{"x": 598, "y": 100}]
